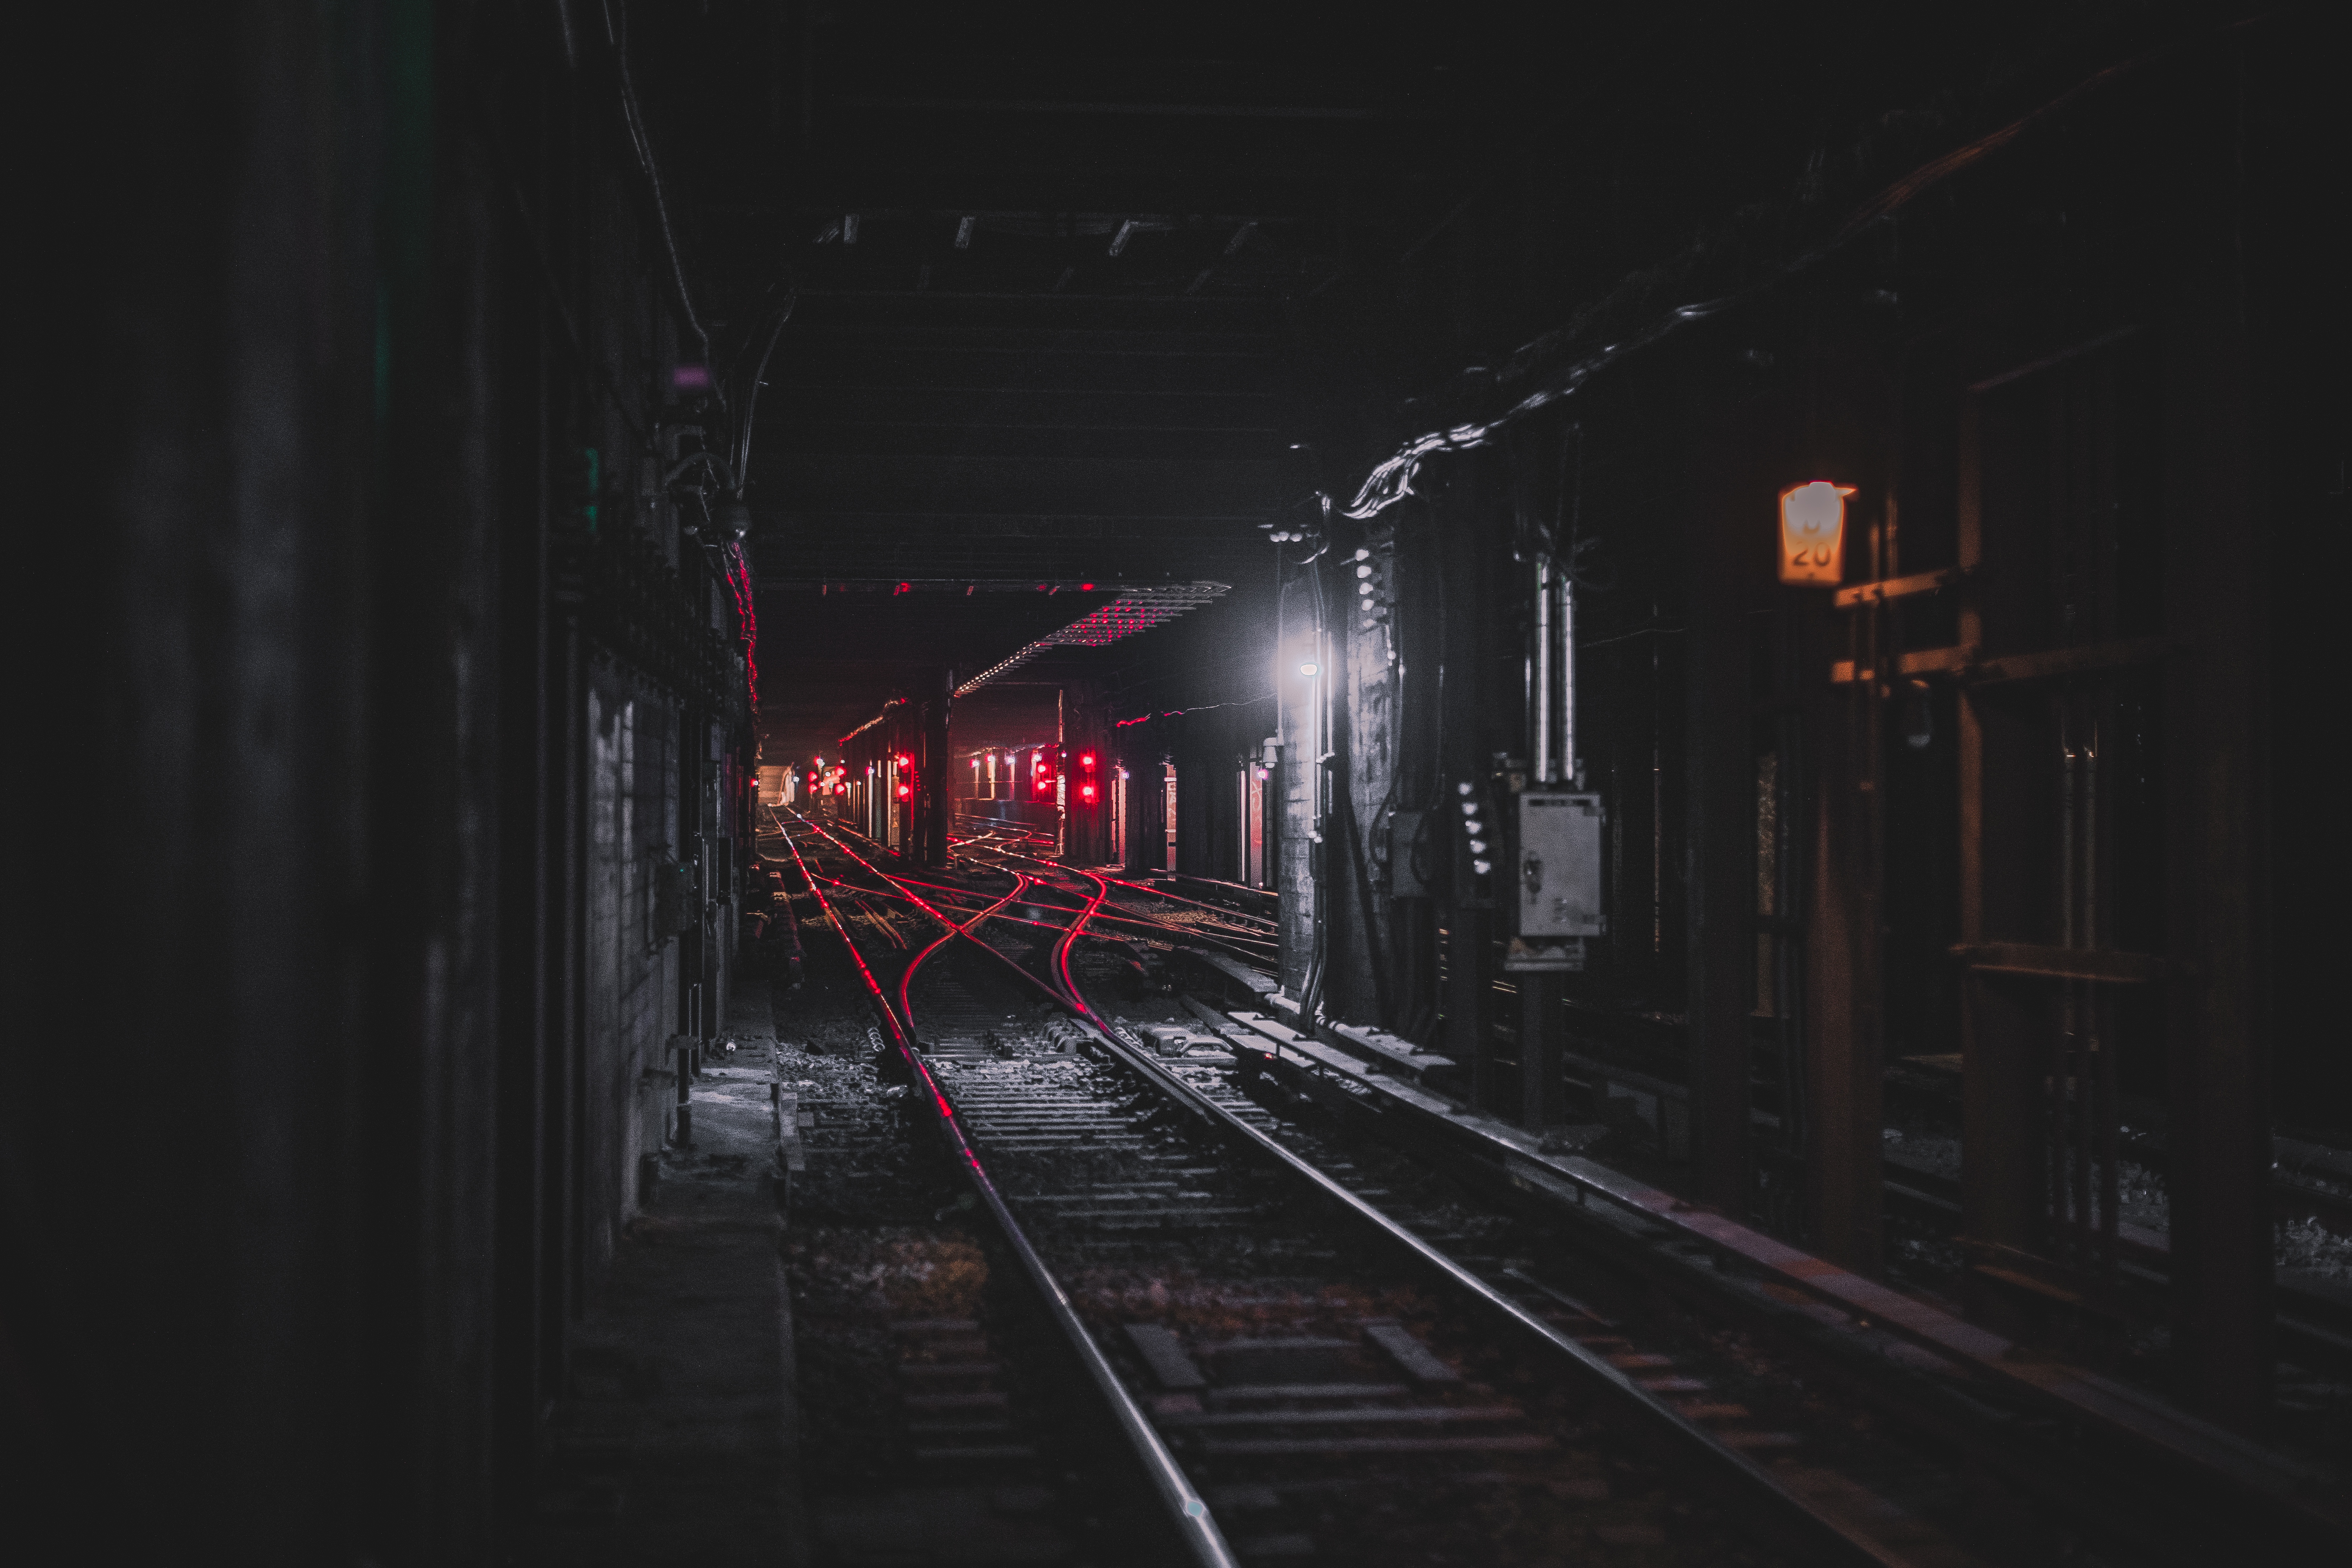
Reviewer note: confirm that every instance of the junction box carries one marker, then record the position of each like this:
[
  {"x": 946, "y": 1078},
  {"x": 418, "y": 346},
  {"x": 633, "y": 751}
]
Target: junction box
[{"x": 1558, "y": 874}]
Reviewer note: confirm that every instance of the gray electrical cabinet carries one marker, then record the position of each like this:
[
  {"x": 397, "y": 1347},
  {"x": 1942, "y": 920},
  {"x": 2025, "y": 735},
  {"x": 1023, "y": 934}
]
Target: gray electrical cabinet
[{"x": 1558, "y": 870}]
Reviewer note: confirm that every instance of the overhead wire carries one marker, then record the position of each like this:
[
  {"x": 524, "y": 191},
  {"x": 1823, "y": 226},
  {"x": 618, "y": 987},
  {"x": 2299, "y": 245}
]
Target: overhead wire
[
  {"x": 752, "y": 395},
  {"x": 618, "y": 31}
]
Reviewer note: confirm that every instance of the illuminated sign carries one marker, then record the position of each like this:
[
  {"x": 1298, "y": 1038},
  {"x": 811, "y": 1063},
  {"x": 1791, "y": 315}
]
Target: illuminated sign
[{"x": 1812, "y": 534}]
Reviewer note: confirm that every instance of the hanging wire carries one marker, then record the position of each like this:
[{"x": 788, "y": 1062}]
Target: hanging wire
[
  {"x": 617, "y": 30},
  {"x": 752, "y": 395}
]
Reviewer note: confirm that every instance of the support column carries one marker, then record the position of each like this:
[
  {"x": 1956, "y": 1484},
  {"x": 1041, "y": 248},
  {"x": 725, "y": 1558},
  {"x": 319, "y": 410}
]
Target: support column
[
  {"x": 1085, "y": 826},
  {"x": 1470, "y": 1001},
  {"x": 1145, "y": 832},
  {"x": 939, "y": 769},
  {"x": 1541, "y": 1025},
  {"x": 1480, "y": 715},
  {"x": 2217, "y": 809},
  {"x": 2003, "y": 800},
  {"x": 1720, "y": 823},
  {"x": 1845, "y": 1073}
]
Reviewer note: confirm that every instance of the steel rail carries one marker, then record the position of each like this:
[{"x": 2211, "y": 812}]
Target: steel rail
[
  {"x": 1825, "y": 1538},
  {"x": 907, "y": 981},
  {"x": 1152, "y": 891},
  {"x": 1196, "y": 1526},
  {"x": 1148, "y": 922},
  {"x": 1829, "y": 1529},
  {"x": 1070, "y": 940},
  {"x": 1822, "y": 1533},
  {"x": 1228, "y": 936},
  {"x": 907, "y": 885},
  {"x": 1052, "y": 994}
]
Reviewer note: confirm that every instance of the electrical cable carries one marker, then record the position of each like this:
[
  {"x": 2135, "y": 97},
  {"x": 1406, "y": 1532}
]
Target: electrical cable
[
  {"x": 717, "y": 465},
  {"x": 595, "y": 367},
  {"x": 643, "y": 142},
  {"x": 752, "y": 395}
]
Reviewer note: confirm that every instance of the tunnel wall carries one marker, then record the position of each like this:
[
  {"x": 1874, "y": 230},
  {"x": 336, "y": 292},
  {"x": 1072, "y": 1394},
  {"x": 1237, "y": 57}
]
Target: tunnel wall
[
  {"x": 351, "y": 860},
  {"x": 1726, "y": 753}
]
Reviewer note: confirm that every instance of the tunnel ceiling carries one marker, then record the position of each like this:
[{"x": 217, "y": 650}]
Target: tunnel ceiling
[
  {"x": 1043, "y": 262},
  {"x": 1041, "y": 305},
  {"x": 1064, "y": 276}
]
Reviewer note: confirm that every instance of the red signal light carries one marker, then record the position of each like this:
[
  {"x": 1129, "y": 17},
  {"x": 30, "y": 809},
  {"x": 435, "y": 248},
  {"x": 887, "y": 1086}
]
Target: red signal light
[
  {"x": 1087, "y": 761},
  {"x": 1088, "y": 792},
  {"x": 904, "y": 791}
]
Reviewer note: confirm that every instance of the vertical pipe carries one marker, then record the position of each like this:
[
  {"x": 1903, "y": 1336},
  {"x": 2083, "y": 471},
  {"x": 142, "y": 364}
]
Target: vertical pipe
[
  {"x": 685, "y": 1092},
  {"x": 2065, "y": 1083},
  {"x": 1539, "y": 677},
  {"x": 2102, "y": 1043},
  {"x": 2090, "y": 1098},
  {"x": 1563, "y": 629}
]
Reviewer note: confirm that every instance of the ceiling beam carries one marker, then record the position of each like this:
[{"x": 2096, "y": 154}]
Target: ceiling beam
[{"x": 1117, "y": 108}]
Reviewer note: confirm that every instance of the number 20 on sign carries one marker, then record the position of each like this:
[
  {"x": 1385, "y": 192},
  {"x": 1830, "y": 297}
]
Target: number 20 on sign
[{"x": 1812, "y": 534}]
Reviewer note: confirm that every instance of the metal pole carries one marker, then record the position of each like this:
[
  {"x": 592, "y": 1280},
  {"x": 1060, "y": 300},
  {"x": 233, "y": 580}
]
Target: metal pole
[
  {"x": 1563, "y": 623},
  {"x": 1547, "y": 770}
]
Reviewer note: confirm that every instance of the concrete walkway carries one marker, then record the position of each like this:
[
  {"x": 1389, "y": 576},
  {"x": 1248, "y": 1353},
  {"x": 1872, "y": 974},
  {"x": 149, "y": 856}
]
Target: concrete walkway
[{"x": 676, "y": 1443}]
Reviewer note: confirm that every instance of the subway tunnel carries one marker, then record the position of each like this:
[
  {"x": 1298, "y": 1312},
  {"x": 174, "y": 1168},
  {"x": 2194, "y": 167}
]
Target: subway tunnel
[{"x": 905, "y": 783}]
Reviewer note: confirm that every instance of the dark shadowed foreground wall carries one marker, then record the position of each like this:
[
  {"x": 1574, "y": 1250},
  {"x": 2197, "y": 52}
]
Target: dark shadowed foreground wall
[
  {"x": 371, "y": 697},
  {"x": 247, "y": 1171}
]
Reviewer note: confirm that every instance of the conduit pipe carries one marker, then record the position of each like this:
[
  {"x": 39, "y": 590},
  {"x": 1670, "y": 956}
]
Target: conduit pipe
[
  {"x": 1539, "y": 676},
  {"x": 1563, "y": 626},
  {"x": 1552, "y": 677}
]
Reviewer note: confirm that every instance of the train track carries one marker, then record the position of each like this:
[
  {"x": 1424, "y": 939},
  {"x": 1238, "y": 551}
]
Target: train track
[{"x": 1321, "y": 1348}]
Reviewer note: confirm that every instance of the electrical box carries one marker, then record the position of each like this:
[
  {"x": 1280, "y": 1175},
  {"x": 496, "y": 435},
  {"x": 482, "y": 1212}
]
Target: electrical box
[{"x": 1559, "y": 868}]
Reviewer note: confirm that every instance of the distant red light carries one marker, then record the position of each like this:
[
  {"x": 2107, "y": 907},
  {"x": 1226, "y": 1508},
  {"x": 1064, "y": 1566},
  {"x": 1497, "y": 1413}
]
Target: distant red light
[
  {"x": 1088, "y": 792},
  {"x": 904, "y": 791},
  {"x": 1088, "y": 760}
]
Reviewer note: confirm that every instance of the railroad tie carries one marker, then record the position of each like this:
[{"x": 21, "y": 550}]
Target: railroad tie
[
  {"x": 1413, "y": 1358},
  {"x": 1165, "y": 1355}
]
